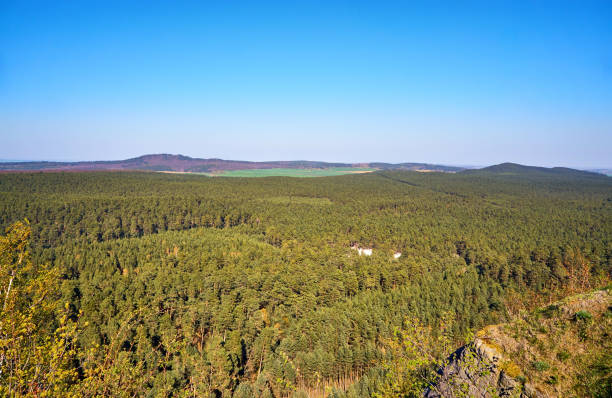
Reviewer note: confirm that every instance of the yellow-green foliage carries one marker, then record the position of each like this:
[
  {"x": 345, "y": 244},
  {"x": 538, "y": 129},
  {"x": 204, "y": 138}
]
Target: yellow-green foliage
[
  {"x": 414, "y": 353},
  {"x": 39, "y": 355},
  {"x": 35, "y": 360}
]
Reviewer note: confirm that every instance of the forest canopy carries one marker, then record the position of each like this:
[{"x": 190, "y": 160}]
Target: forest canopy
[{"x": 182, "y": 285}]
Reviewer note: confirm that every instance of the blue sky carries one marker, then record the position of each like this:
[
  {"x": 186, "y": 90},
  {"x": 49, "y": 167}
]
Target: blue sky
[{"x": 446, "y": 82}]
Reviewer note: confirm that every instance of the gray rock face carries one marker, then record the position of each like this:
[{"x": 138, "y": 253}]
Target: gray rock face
[{"x": 474, "y": 370}]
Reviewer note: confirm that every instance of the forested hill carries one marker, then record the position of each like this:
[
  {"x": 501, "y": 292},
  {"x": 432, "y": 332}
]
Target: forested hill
[
  {"x": 532, "y": 171},
  {"x": 180, "y": 163},
  {"x": 184, "y": 285}
]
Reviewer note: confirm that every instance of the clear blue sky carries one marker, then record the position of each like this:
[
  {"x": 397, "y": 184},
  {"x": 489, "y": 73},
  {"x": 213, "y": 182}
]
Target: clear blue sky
[{"x": 446, "y": 82}]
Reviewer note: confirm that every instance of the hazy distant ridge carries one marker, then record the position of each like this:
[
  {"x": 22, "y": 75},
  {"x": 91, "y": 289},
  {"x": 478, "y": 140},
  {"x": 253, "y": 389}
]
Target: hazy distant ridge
[
  {"x": 181, "y": 163},
  {"x": 519, "y": 169}
]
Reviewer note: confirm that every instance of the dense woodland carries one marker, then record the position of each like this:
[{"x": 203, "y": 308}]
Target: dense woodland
[{"x": 185, "y": 285}]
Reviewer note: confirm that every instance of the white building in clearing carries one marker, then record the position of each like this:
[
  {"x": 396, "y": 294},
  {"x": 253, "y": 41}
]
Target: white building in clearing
[{"x": 365, "y": 251}]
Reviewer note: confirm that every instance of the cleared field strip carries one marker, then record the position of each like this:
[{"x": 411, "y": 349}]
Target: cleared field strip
[{"x": 334, "y": 171}]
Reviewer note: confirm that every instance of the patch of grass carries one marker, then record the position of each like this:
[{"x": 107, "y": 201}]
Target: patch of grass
[
  {"x": 552, "y": 380},
  {"x": 596, "y": 379},
  {"x": 584, "y": 316},
  {"x": 550, "y": 311},
  {"x": 541, "y": 366},
  {"x": 563, "y": 355},
  {"x": 584, "y": 320}
]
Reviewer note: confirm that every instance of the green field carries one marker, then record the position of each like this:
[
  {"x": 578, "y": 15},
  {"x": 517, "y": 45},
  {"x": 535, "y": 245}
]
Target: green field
[{"x": 332, "y": 171}]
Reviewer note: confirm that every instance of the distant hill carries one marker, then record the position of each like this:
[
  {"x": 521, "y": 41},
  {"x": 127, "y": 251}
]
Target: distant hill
[
  {"x": 181, "y": 163},
  {"x": 414, "y": 167},
  {"x": 521, "y": 170},
  {"x": 186, "y": 164},
  {"x": 607, "y": 172}
]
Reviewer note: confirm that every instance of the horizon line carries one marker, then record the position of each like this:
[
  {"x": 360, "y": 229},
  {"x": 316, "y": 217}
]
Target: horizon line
[{"x": 466, "y": 166}]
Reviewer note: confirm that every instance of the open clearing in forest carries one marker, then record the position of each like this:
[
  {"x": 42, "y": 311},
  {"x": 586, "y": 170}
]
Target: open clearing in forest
[
  {"x": 301, "y": 200},
  {"x": 332, "y": 171}
]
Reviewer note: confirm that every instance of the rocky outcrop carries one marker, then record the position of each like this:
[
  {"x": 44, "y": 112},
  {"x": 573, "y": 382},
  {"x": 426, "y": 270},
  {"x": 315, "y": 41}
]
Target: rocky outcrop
[
  {"x": 540, "y": 355},
  {"x": 478, "y": 370}
]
